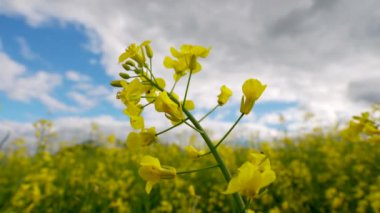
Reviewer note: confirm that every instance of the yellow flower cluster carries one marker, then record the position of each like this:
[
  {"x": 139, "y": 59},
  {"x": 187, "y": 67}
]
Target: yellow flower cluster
[
  {"x": 253, "y": 176},
  {"x": 143, "y": 85}
]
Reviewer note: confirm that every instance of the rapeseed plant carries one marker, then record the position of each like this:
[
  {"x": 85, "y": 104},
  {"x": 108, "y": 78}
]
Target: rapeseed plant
[{"x": 184, "y": 62}]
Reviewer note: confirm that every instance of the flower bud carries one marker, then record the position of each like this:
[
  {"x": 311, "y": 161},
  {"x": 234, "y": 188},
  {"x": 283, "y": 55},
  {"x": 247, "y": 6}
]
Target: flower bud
[
  {"x": 193, "y": 62},
  {"x": 116, "y": 83},
  {"x": 130, "y": 63},
  {"x": 126, "y": 67},
  {"x": 149, "y": 51},
  {"x": 138, "y": 71},
  {"x": 124, "y": 75}
]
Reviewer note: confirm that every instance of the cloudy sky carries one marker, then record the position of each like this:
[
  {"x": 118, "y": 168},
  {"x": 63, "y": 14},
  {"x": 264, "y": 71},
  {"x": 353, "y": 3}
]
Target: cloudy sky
[{"x": 319, "y": 56}]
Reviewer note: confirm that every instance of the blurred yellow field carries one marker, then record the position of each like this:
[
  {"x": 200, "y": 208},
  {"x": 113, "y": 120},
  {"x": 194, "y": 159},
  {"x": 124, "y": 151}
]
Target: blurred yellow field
[{"x": 322, "y": 171}]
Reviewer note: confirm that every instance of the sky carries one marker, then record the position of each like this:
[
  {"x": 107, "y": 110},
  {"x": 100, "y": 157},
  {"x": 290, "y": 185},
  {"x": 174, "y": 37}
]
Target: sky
[{"x": 58, "y": 57}]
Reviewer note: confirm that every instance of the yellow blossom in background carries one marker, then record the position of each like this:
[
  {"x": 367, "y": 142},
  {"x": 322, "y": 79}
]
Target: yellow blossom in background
[
  {"x": 151, "y": 171},
  {"x": 250, "y": 180},
  {"x": 252, "y": 89},
  {"x": 225, "y": 94},
  {"x": 193, "y": 152}
]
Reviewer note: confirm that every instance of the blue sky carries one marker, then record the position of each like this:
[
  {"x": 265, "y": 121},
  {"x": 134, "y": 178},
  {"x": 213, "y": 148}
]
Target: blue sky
[
  {"x": 56, "y": 49},
  {"x": 58, "y": 57}
]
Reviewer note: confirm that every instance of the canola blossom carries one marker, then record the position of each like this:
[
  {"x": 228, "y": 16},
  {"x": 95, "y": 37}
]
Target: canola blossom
[
  {"x": 250, "y": 180},
  {"x": 152, "y": 172},
  {"x": 225, "y": 94},
  {"x": 146, "y": 89},
  {"x": 252, "y": 89}
]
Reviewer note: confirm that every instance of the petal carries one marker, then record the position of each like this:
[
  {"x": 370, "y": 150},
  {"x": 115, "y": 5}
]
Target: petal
[
  {"x": 124, "y": 56},
  {"x": 253, "y": 88},
  {"x": 137, "y": 122},
  {"x": 148, "y": 160},
  {"x": 133, "y": 140},
  {"x": 169, "y": 62},
  {"x": 161, "y": 82},
  {"x": 175, "y": 52},
  {"x": 268, "y": 176},
  {"x": 233, "y": 186},
  {"x": 149, "y": 186},
  {"x": 189, "y": 105}
]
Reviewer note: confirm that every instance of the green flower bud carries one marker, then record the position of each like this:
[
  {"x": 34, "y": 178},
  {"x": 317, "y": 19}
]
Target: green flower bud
[
  {"x": 126, "y": 67},
  {"x": 124, "y": 75},
  {"x": 149, "y": 51},
  {"x": 116, "y": 83},
  {"x": 138, "y": 71},
  {"x": 130, "y": 63}
]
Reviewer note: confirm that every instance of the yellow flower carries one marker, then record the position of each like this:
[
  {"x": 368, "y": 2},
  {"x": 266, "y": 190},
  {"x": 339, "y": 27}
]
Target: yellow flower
[
  {"x": 180, "y": 67},
  {"x": 172, "y": 110},
  {"x": 260, "y": 160},
  {"x": 131, "y": 92},
  {"x": 252, "y": 89},
  {"x": 150, "y": 90},
  {"x": 152, "y": 171},
  {"x": 144, "y": 138},
  {"x": 225, "y": 94},
  {"x": 193, "y": 152},
  {"x": 250, "y": 180},
  {"x": 186, "y": 59},
  {"x": 134, "y": 113},
  {"x": 135, "y": 52},
  {"x": 148, "y": 136}
]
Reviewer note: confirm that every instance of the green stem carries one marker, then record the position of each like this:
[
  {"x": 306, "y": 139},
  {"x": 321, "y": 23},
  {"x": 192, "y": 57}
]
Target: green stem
[
  {"x": 147, "y": 104},
  {"x": 197, "y": 170},
  {"x": 225, "y": 172},
  {"x": 229, "y": 131},
  {"x": 211, "y": 111},
  {"x": 172, "y": 127},
  {"x": 200, "y": 131},
  {"x": 225, "y": 135},
  {"x": 151, "y": 73},
  {"x": 175, "y": 83},
  {"x": 187, "y": 88}
]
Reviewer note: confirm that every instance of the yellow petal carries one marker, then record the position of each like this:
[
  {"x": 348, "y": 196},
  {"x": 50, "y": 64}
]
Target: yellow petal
[
  {"x": 133, "y": 140},
  {"x": 233, "y": 186},
  {"x": 124, "y": 56},
  {"x": 268, "y": 177},
  {"x": 150, "y": 161},
  {"x": 149, "y": 186},
  {"x": 137, "y": 122},
  {"x": 169, "y": 62},
  {"x": 175, "y": 52},
  {"x": 189, "y": 105},
  {"x": 253, "y": 88},
  {"x": 161, "y": 83}
]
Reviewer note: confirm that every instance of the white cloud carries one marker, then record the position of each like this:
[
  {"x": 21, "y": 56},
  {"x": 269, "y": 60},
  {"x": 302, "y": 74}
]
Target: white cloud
[
  {"x": 23, "y": 87},
  {"x": 82, "y": 101},
  {"x": 73, "y": 75},
  {"x": 25, "y": 50}
]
